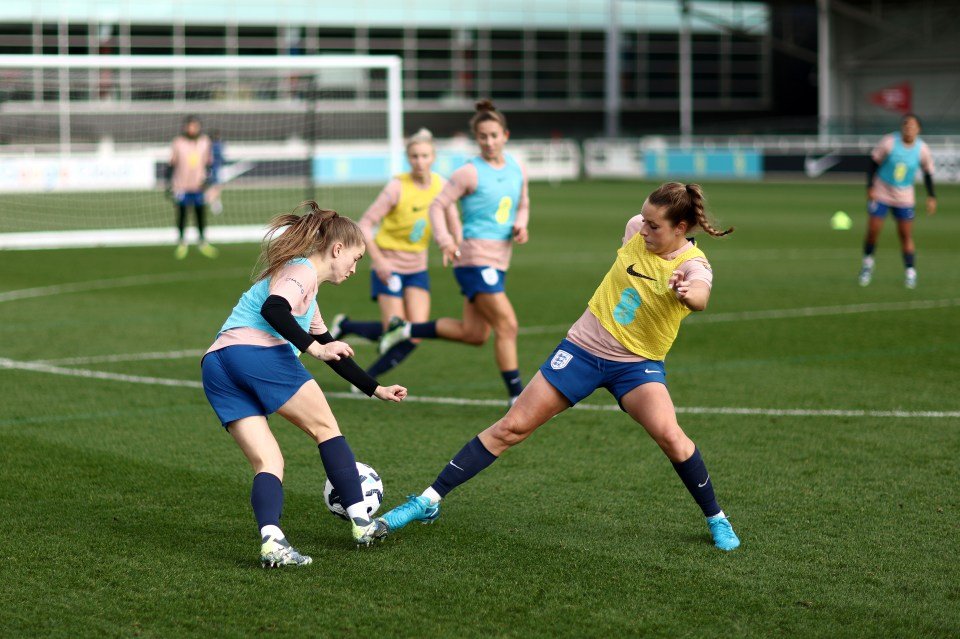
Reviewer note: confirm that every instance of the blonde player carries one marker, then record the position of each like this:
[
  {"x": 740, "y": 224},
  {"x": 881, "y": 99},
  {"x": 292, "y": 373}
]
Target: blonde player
[
  {"x": 619, "y": 343},
  {"x": 893, "y": 165},
  {"x": 252, "y": 370},
  {"x": 492, "y": 190},
  {"x": 399, "y": 280},
  {"x": 187, "y": 176}
]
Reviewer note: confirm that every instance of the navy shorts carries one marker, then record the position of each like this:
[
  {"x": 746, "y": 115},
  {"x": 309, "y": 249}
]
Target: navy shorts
[
  {"x": 397, "y": 283},
  {"x": 879, "y": 209},
  {"x": 243, "y": 381},
  {"x": 576, "y": 373},
  {"x": 479, "y": 279},
  {"x": 189, "y": 199}
]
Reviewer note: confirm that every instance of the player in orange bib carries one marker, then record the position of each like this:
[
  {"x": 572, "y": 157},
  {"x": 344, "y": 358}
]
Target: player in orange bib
[{"x": 619, "y": 343}]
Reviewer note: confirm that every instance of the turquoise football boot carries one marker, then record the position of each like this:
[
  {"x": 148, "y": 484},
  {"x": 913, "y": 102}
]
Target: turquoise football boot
[
  {"x": 417, "y": 508},
  {"x": 723, "y": 536}
]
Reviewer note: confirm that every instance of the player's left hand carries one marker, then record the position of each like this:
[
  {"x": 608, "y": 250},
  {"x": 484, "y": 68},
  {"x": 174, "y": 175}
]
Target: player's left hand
[
  {"x": 395, "y": 393},
  {"x": 333, "y": 351},
  {"x": 931, "y": 205},
  {"x": 680, "y": 286},
  {"x": 520, "y": 234}
]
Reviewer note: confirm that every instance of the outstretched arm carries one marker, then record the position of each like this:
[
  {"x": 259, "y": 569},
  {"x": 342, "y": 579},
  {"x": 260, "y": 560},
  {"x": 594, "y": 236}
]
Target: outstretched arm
[{"x": 349, "y": 370}]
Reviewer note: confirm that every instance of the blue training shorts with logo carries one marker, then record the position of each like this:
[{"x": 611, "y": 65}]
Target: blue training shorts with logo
[
  {"x": 243, "y": 381},
  {"x": 189, "y": 199},
  {"x": 397, "y": 283},
  {"x": 879, "y": 209},
  {"x": 576, "y": 373},
  {"x": 479, "y": 279}
]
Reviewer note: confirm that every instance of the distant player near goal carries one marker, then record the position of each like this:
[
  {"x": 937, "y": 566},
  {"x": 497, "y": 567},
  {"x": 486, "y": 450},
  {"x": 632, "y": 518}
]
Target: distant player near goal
[
  {"x": 893, "y": 166},
  {"x": 188, "y": 175},
  {"x": 619, "y": 343}
]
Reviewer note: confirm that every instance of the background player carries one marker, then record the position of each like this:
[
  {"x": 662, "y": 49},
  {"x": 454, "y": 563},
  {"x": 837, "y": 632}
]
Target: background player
[
  {"x": 492, "y": 190},
  {"x": 214, "y": 181},
  {"x": 893, "y": 165},
  {"x": 252, "y": 370},
  {"x": 399, "y": 280},
  {"x": 187, "y": 175},
  {"x": 619, "y": 343}
]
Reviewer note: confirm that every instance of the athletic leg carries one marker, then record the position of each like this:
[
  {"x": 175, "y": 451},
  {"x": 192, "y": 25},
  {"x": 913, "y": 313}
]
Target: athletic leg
[
  {"x": 905, "y": 232},
  {"x": 413, "y": 307},
  {"x": 874, "y": 226},
  {"x": 181, "y": 251},
  {"x": 499, "y": 314}
]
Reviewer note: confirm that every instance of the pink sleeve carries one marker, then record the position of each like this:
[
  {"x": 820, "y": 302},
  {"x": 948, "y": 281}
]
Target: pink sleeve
[
  {"x": 882, "y": 150},
  {"x": 298, "y": 285},
  {"x": 317, "y": 325},
  {"x": 454, "y": 225},
  {"x": 697, "y": 269},
  {"x": 384, "y": 203},
  {"x": 173, "y": 152},
  {"x": 926, "y": 159},
  {"x": 633, "y": 227},
  {"x": 209, "y": 153},
  {"x": 462, "y": 182},
  {"x": 523, "y": 207}
]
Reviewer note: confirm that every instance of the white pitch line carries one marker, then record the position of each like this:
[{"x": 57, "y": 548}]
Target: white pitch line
[
  {"x": 123, "y": 357},
  {"x": 39, "y": 367},
  {"x": 116, "y": 282}
]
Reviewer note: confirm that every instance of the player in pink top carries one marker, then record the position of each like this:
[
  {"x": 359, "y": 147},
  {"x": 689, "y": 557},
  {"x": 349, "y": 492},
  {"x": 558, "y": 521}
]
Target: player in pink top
[
  {"x": 492, "y": 191},
  {"x": 187, "y": 177},
  {"x": 890, "y": 177}
]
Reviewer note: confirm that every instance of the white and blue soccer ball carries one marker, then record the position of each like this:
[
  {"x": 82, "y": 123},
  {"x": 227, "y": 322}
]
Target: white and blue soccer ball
[{"x": 370, "y": 484}]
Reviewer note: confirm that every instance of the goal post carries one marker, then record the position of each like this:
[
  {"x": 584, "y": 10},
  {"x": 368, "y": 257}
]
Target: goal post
[{"x": 85, "y": 139}]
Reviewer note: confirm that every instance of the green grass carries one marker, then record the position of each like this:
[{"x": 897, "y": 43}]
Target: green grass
[{"x": 125, "y": 506}]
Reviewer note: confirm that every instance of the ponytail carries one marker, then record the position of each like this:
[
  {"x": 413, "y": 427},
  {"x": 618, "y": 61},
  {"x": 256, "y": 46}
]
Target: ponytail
[
  {"x": 685, "y": 203},
  {"x": 487, "y": 111},
  {"x": 290, "y": 236}
]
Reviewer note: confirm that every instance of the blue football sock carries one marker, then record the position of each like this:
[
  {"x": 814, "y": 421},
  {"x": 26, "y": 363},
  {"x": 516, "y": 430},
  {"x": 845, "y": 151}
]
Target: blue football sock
[
  {"x": 513, "y": 382},
  {"x": 868, "y": 249},
  {"x": 391, "y": 358},
  {"x": 266, "y": 497},
  {"x": 909, "y": 259},
  {"x": 370, "y": 330},
  {"x": 422, "y": 330},
  {"x": 471, "y": 459},
  {"x": 695, "y": 477},
  {"x": 341, "y": 467}
]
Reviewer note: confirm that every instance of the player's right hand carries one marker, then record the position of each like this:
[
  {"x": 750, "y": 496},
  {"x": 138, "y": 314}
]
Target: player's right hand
[
  {"x": 871, "y": 194},
  {"x": 331, "y": 351},
  {"x": 383, "y": 270},
  {"x": 395, "y": 393},
  {"x": 450, "y": 254}
]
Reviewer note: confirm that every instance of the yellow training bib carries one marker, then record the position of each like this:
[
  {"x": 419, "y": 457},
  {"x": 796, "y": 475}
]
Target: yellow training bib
[
  {"x": 634, "y": 304},
  {"x": 407, "y": 226}
]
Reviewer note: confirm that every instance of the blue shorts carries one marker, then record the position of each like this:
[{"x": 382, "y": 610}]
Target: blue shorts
[
  {"x": 576, "y": 373},
  {"x": 243, "y": 381},
  {"x": 479, "y": 279},
  {"x": 189, "y": 199},
  {"x": 879, "y": 209},
  {"x": 397, "y": 283}
]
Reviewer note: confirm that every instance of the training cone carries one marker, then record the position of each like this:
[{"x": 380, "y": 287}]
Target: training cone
[{"x": 841, "y": 221}]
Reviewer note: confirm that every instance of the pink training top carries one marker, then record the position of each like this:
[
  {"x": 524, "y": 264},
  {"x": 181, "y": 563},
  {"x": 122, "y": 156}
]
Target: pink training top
[
  {"x": 403, "y": 262},
  {"x": 897, "y": 196},
  {"x": 190, "y": 159},
  {"x": 474, "y": 252},
  {"x": 296, "y": 283},
  {"x": 590, "y": 335}
]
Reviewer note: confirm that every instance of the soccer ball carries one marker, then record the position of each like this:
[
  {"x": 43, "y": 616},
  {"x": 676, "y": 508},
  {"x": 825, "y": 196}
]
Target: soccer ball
[{"x": 371, "y": 486}]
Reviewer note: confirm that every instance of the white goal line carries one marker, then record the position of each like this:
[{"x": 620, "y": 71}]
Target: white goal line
[{"x": 41, "y": 367}]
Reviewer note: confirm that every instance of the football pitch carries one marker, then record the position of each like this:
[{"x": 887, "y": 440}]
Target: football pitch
[{"x": 828, "y": 415}]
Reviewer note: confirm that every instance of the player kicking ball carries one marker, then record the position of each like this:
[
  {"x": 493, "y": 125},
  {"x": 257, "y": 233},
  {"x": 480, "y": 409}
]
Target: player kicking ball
[{"x": 619, "y": 343}]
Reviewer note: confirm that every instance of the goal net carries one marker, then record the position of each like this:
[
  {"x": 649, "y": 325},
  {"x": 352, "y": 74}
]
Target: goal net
[{"x": 85, "y": 142}]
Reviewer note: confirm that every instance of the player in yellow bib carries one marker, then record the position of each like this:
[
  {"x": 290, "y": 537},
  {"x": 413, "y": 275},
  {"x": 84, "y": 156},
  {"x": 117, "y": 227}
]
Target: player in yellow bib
[
  {"x": 619, "y": 343},
  {"x": 397, "y": 230}
]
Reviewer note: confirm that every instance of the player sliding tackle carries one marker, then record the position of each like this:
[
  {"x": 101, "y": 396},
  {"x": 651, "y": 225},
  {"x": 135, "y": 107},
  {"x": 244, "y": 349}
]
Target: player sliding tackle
[{"x": 619, "y": 343}]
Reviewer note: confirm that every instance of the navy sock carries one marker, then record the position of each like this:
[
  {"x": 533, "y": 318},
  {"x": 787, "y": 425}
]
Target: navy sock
[
  {"x": 370, "y": 330},
  {"x": 513, "y": 382},
  {"x": 391, "y": 358},
  {"x": 868, "y": 249},
  {"x": 695, "y": 477},
  {"x": 908, "y": 260},
  {"x": 266, "y": 497},
  {"x": 341, "y": 467},
  {"x": 471, "y": 459},
  {"x": 424, "y": 330}
]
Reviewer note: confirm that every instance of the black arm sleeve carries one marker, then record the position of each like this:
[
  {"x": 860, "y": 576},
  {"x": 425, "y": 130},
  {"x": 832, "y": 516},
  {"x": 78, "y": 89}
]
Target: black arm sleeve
[
  {"x": 928, "y": 182},
  {"x": 276, "y": 310},
  {"x": 349, "y": 370},
  {"x": 871, "y": 171}
]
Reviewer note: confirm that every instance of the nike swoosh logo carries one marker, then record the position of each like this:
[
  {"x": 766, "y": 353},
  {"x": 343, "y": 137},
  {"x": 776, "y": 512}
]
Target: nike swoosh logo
[
  {"x": 417, "y": 209},
  {"x": 648, "y": 371},
  {"x": 704, "y": 482},
  {"x": 815, "y": 167},
  {"x": 455, "y": 466},
  {"x": 630, "y": 271}
]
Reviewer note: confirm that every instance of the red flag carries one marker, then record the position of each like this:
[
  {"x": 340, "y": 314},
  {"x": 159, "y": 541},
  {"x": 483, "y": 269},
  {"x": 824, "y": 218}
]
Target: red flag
[{"x": 897, "y": 98}]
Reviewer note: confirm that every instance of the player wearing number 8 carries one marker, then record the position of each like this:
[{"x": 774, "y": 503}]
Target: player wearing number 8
[
  {"x": 893, "y": 167},
  {"x": 492, "y": 189},
  {"x": 659, "y": 277}
]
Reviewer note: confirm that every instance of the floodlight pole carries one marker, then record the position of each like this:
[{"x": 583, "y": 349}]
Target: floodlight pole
[
  {"x": 611, "y": 102},
  {"x": 824, "y": 71},
  {"x": 686, "y": 76}
]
